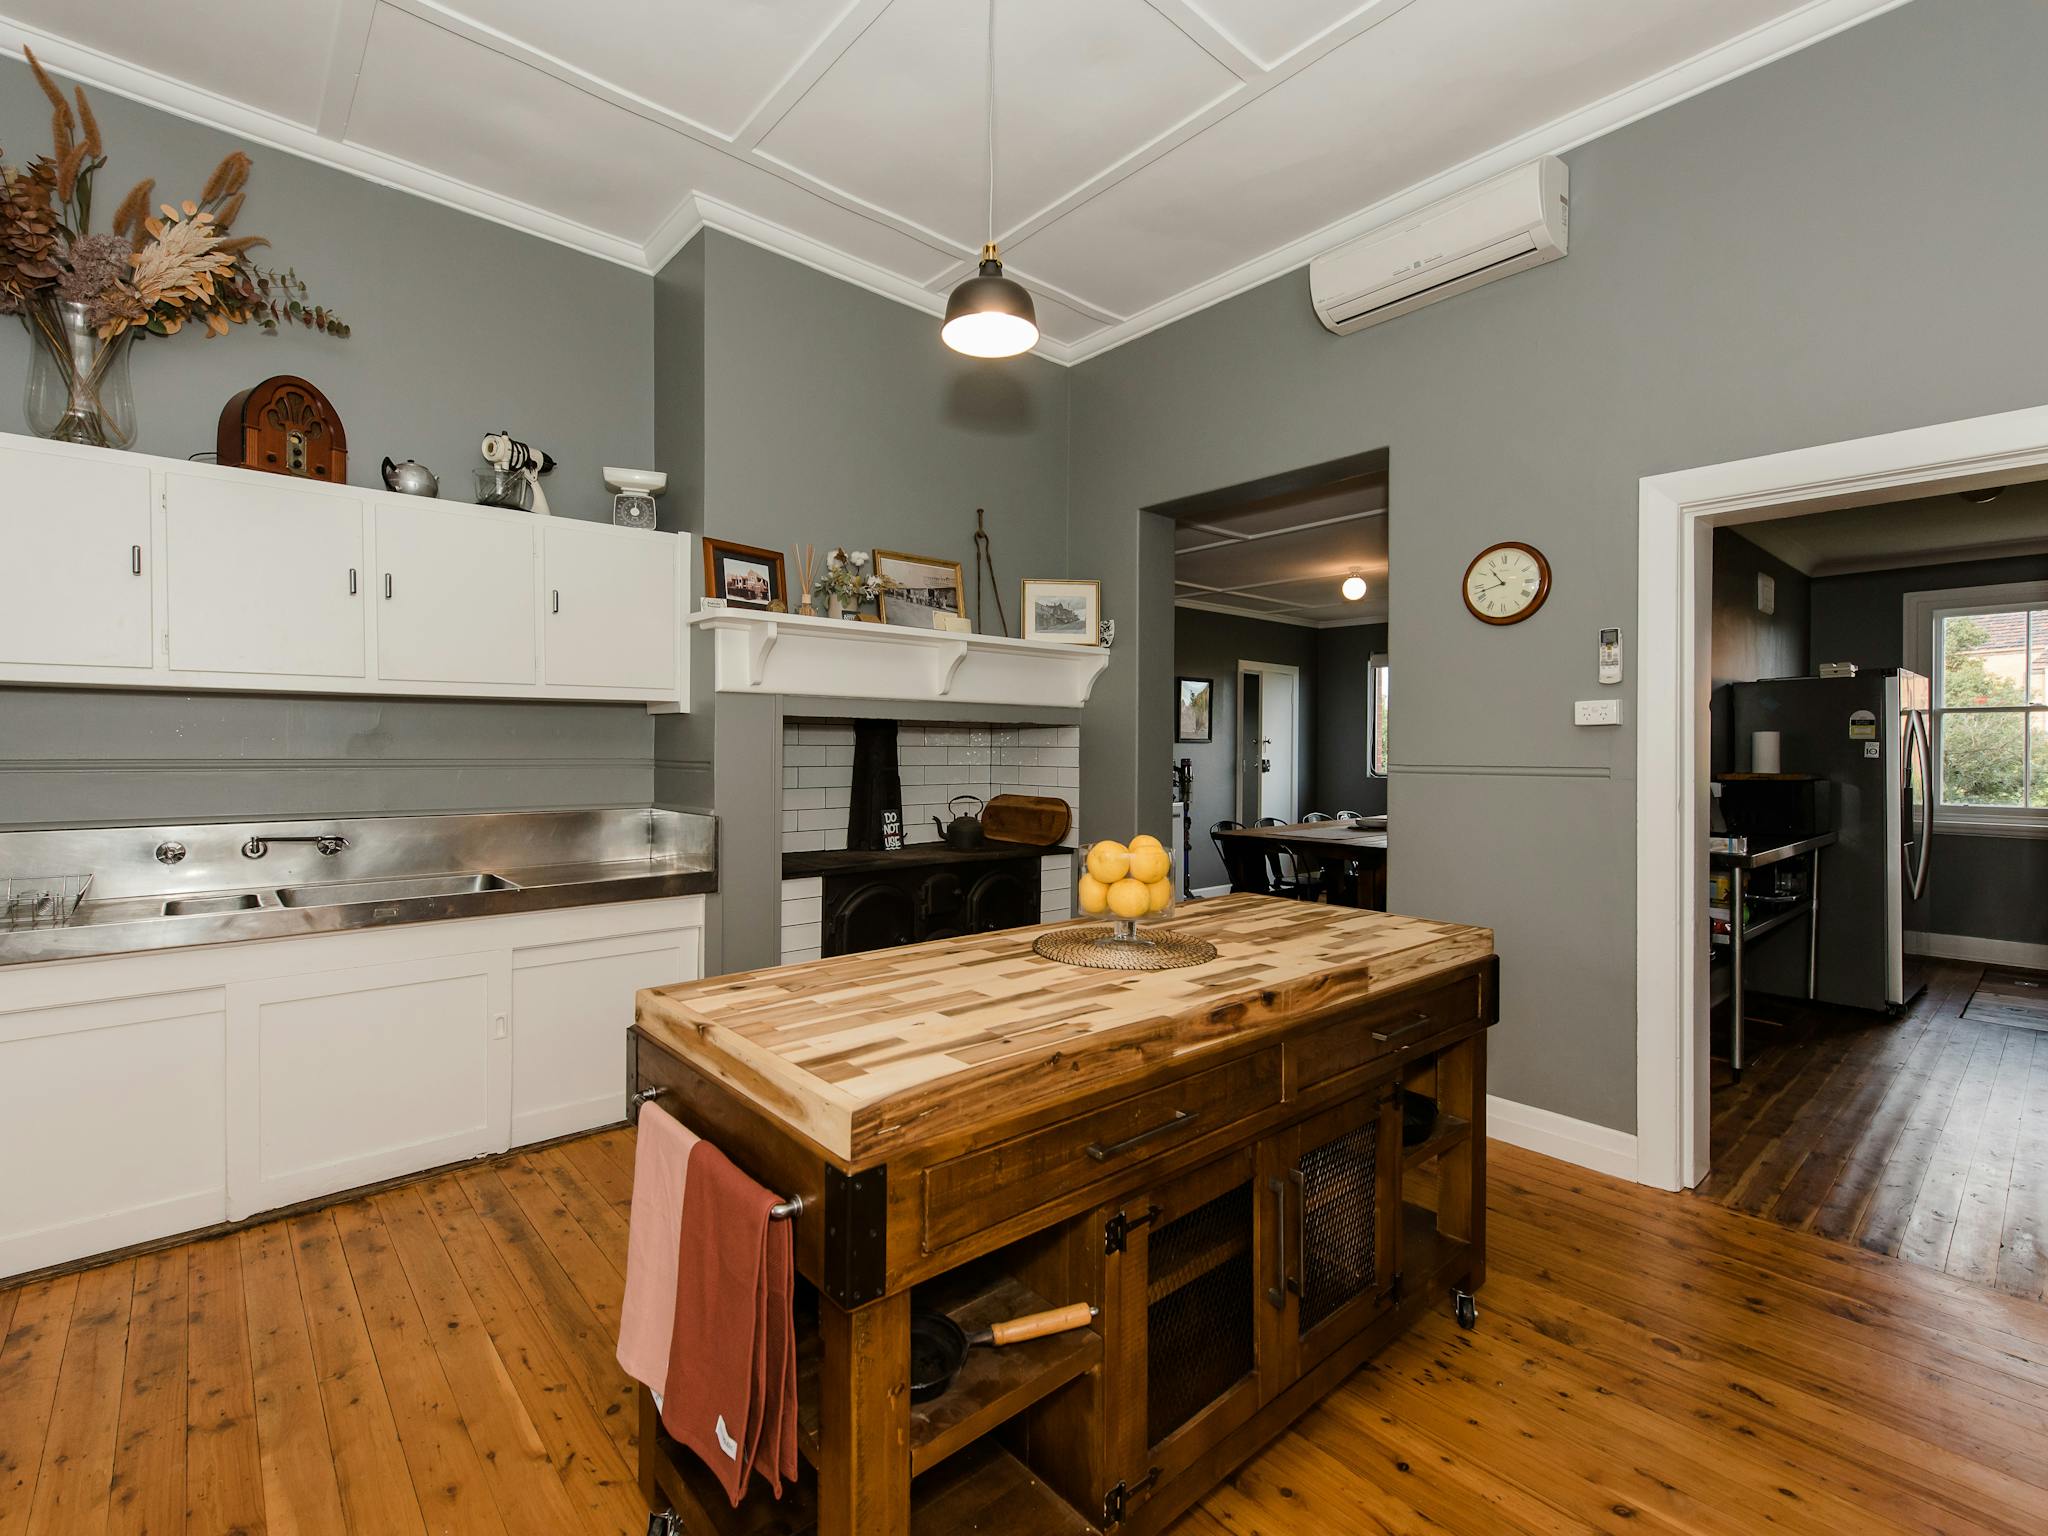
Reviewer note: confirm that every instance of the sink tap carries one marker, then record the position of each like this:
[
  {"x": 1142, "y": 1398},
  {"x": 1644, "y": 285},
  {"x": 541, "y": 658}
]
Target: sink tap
[{"x": 329, "y": 844}]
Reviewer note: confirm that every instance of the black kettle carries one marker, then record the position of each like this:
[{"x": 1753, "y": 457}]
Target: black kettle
[{"x": 965, "y": 831}]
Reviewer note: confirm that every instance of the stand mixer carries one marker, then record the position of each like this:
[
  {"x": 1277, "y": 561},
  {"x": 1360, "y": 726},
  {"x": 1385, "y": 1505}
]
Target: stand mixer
[{"x": 513, "y": 480}]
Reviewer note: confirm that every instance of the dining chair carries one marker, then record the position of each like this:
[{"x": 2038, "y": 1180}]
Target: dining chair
[
  {"x": 1351, "y": 815},
  {"x": 1318, "y": 816},
  {"x": 1285, "y": 872},
  {"x": 1237, "y": 867}
]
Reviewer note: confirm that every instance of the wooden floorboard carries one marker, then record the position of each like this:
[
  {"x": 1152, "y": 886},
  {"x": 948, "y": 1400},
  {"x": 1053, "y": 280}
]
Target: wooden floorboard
[
  {"x": 439, "y": 1357},
  {"x": 1924, "y": 1136}
]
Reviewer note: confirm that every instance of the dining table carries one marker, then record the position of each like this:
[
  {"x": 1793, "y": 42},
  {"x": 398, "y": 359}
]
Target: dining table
[{"x": 1349, "y": 856}]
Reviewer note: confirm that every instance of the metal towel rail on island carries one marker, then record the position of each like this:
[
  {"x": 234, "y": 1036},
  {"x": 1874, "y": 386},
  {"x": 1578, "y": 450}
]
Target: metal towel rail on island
[{"x": 782, "y": 1210}]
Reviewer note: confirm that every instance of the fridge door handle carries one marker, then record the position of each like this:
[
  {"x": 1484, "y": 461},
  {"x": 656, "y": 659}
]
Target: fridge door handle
[{"x": 1923, "y": 746}]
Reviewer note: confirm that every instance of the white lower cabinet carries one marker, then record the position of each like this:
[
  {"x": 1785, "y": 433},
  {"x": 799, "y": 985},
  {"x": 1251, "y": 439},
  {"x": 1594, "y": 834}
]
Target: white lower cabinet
[
  {"x": 571, "y": 1007},
  {"x": 349, "y": 1077},
  {"x": 111, "y": 1126},
  {"x": 147, "y": 1095}
]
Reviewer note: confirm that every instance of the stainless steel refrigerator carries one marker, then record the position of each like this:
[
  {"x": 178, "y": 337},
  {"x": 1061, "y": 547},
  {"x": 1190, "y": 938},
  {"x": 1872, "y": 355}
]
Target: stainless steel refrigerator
[{"x": 1873, "y": 736}]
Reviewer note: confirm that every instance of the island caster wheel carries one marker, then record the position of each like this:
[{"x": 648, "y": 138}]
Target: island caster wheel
[{"x": 1468, "y": 1309}]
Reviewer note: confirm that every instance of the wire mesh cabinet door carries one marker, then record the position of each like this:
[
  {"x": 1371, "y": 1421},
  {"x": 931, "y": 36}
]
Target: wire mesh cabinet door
[
  {"x": 1332, "y": 1185},
  {"x": 1183, "y": 1344}
]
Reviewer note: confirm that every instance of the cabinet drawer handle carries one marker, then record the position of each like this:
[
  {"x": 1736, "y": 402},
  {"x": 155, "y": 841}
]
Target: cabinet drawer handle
[
  {"x": 351, "y": 581},
  {"x": 558, "y": 599},
  {"x": 134, "y": 559},
  {"x": 1414, "y": 1026},
  {"x": 387, "y": 586},
  {"x": 1276, "y": 1293},
  {"x": 1101, "y": 1154}
]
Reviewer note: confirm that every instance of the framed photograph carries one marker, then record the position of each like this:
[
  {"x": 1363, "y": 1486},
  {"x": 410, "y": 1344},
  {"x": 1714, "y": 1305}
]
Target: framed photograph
[
  {"x": 924, "y": 588},
  {"x": 1193, "y": 695},
  {"x": 1069, "y": 612},
  {"x": 746, "y": 577}
]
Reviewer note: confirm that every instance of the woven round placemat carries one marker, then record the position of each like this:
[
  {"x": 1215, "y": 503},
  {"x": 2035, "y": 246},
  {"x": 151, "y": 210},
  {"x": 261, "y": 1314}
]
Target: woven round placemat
[{"x": 1099, "y": 949}]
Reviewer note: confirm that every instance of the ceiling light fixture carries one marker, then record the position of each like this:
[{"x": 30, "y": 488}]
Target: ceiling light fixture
[
  {"x": 1354, "y": 587},
  {"x": 990, "y": 315}
]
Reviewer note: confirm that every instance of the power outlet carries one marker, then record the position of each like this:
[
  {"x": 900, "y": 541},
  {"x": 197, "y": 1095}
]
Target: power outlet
[{"x": 1596, "y": 712}]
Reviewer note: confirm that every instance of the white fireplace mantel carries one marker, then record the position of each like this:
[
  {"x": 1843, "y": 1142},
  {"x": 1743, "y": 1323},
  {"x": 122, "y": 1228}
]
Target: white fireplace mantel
[{"x": 843, "y": 659}]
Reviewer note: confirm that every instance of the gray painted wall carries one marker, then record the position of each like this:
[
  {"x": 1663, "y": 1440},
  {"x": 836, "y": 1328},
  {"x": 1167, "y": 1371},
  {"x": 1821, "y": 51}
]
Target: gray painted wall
[
  {"x": 1983, "y": 887},
  {"x": 1211, "y": 645},
  {"x": 1343, "y": 695},
  {"x": 1749, "y": 644},
  {"x": 1740, "y": 282},
  {"x": 460, "y": 327}
]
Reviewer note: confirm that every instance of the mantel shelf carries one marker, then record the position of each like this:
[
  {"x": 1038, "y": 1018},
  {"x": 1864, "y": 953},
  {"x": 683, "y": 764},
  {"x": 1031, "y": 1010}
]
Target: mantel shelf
[{"x": 787, "y": 653}]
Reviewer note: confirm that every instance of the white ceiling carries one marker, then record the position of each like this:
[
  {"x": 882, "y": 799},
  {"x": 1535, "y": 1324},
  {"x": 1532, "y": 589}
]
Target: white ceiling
[
  {"x": 1155, "y": 155},
  {"x": 1284, "y": 558},
  {"x": 1932, "y": 530}
]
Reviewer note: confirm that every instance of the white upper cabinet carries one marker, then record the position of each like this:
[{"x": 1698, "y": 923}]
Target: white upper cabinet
[
  {"x": 75, "y": 566},
  {"x": 612, "y": 607},
  {"x": 121, "y": 570},
  {"x": 263, "y": 577},
  {"x": 454, "y": 596}
]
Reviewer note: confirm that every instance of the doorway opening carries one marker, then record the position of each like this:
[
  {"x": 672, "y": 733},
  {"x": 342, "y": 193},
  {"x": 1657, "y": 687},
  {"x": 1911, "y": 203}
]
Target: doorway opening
[
  {"x": 1268, "y": 771},
  {"x": 1679, "y": 514}
]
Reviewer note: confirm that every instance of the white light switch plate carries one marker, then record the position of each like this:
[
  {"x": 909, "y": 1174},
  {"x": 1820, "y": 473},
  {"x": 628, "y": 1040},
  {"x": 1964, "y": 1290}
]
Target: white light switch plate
[{"x": 1596, "y": 712}]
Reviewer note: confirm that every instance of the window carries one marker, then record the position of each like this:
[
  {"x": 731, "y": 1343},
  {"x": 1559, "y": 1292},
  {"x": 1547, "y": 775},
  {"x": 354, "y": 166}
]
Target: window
[
  {"x": 1985, "y": 651},
  {"x": 1376, "y": 715}
]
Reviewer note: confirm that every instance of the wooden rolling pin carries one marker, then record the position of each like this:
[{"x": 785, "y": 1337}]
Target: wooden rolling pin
[{"x": 1017, "y": 1329}]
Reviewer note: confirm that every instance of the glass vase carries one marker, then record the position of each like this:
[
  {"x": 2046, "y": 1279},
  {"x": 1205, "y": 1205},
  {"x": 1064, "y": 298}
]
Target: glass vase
[{"x": 79, "y": 387}]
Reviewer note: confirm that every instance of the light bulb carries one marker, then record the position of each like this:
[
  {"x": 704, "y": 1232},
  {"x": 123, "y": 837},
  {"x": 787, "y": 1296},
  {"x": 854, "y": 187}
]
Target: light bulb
[{"x": 1354, "y": 587}]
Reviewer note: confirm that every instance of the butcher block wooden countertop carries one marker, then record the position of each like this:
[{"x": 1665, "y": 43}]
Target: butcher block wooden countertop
[{"x": 867, "y": 1055}]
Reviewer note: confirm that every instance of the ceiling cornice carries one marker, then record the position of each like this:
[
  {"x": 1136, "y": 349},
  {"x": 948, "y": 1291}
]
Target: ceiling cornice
[{"x": 321, "y": 142}]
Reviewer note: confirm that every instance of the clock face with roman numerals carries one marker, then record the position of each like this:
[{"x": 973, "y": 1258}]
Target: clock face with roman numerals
[{"x": 1507, "y": 583}]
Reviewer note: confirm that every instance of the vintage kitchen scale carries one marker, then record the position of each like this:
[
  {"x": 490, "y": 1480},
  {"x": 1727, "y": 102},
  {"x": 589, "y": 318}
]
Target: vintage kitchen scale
[{"x": 284, "y": 426}]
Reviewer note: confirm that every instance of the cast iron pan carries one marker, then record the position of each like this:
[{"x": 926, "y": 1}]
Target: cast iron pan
[{"x": 938, "y": 1345}]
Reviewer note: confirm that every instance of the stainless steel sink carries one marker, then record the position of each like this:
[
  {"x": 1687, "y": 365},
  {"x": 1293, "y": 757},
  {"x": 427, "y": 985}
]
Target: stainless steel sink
[
  {"x": 210, "y": 906},
  {"x": 348, "y": 893}
]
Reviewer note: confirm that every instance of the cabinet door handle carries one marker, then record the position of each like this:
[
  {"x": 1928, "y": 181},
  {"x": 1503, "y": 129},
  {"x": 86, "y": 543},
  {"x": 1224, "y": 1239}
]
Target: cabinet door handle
[
  {"x": 387, "y": 586},
  {"x": 351, "y": 581},
  {"x": 1300, "y": 1183},
  {"x": 135, "y": 559},
  {"x": 1416, "y": 1025},
  {"x": 1276, "y": 1293},
  {"x": 558, "y": 599},
  {"x": 1101, "y": 1154}
]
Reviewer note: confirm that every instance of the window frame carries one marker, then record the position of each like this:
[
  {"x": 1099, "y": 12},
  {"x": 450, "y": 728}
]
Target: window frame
[
  {"x": 1377, "y": 670},
  {"x": 1924, "y": 611}
]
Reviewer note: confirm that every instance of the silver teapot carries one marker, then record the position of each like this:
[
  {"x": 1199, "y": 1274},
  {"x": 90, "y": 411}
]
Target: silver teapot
[{"x": 411, "y": 479}]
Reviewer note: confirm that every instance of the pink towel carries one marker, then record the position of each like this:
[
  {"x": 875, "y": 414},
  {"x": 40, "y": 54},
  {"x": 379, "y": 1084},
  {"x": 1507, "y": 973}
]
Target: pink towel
[{"x": 648, "y": 1314}]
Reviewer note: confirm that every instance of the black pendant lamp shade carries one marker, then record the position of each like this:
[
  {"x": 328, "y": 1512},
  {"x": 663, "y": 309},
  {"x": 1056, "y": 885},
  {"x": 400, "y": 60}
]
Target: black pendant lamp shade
[{"x": 989, "y": 315}]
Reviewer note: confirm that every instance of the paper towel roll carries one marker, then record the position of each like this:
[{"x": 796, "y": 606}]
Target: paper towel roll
[{"x": 1763, "y": 752}]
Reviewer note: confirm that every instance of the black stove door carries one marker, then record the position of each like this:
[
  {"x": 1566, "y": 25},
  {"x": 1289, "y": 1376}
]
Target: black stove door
[
  {"x": 1004, "y": 898},
  {"x": 876, "y": 916}
]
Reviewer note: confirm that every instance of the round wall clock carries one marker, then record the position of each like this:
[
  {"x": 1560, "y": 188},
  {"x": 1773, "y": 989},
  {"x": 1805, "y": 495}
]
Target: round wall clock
[{"x": 1506, "y": 583}]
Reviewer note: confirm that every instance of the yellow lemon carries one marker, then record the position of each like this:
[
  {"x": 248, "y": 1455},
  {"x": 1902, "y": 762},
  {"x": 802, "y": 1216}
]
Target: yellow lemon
[
  {"x": 1109, "y": 861},
  {"x": 1149, "y": 864},
  {"x": 1145, "y": 840},
  {"x": 1093, "y": 895},
  {"x": 1160, "y": 895},
  {"x": 1129, "y": 898}
]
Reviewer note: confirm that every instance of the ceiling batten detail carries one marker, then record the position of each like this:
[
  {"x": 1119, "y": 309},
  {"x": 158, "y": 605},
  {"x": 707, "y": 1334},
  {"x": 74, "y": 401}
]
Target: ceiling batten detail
[{"x": 344, "y": 66}]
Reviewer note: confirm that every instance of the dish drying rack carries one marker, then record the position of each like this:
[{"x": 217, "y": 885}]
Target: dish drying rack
[{"x": 41, "y": 901}]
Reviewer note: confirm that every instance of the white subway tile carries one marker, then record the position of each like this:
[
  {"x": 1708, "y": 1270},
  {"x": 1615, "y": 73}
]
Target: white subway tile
[
  {"x": 815, "y": 778},
  {"x": 789, "y": 821},
  {"x": 803, "y": 936},
  {"x": 1060, "y": 757},
  {"x": 1070, "y": 736},
  {"x": 1038, "y": 735},
  {"x": 802, "y": 842},
  {"x": 802, "y": 909},
  {"x": 799, "y": 956},
  {"x": 836, "y": 838},
  {"x": 803, "y": 886},
  {"x": 790, "y": 777},
  {"x": 840, "y": 756},
  {"x": 802, "y": 757},
  {"x": 802, "y": 799},
  {"x": 1070, "y": 778},
  {"x": 822, "y": 820},
  {"x": 842, "y": 796}
]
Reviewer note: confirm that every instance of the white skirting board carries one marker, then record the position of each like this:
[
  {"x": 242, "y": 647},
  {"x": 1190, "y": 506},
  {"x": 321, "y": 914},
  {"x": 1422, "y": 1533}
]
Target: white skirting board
[
  {"x": 1574, "y": 1141},
  {"x": 1960, "y": 946},
  {"x": 1203, "y": 892}
]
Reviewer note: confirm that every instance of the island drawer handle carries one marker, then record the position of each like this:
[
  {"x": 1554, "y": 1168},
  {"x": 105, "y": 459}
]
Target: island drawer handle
[
  {"x": 1420, "y": 1022},
  {"x": 1101, "y": 1154},
  {"x": 1276, "y": 1293}
]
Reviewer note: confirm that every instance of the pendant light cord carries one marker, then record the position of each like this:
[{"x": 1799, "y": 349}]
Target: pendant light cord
[{"x": 991, "y": 133}]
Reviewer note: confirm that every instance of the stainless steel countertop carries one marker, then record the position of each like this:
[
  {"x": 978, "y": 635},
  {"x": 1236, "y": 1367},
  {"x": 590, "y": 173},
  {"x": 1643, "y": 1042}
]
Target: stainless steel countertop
[{"x": 514, "y": 862}]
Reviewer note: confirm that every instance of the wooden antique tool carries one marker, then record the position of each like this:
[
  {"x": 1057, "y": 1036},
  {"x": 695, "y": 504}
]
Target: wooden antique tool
[{"x": 984, "y": 559}]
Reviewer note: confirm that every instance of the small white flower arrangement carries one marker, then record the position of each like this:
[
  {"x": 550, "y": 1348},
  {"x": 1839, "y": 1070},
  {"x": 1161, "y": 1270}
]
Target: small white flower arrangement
[{"x": 846, "y": 581}]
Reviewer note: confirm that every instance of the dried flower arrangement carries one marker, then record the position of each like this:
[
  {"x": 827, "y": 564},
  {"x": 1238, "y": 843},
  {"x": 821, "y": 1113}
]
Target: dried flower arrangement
[
  {"x": 846, "y": 582},
  {"x": 160, "y": 267}
]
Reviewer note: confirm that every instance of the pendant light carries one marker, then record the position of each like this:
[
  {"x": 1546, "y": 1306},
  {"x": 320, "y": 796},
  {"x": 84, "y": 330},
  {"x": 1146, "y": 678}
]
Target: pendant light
[
  {"x": 1354, "y": 587},
  {"x": 989, "y": 315}
]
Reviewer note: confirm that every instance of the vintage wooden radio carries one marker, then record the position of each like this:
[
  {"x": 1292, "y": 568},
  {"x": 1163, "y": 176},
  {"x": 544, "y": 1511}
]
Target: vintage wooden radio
[{"x": 286, "y": 427}]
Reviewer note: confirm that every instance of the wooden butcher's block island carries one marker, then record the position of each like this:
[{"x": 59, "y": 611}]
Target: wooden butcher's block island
[{"x": 1211, "y": 1157}]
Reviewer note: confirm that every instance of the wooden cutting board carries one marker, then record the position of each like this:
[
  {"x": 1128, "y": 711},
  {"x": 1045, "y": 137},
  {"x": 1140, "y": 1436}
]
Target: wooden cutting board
[{"x": 1038, "y": 821}]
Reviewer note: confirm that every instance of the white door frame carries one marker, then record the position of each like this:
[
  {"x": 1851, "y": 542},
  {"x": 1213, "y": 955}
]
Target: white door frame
[
  {"x": 1674, "y": 607},
  {"x": 1294, "y": 750}
]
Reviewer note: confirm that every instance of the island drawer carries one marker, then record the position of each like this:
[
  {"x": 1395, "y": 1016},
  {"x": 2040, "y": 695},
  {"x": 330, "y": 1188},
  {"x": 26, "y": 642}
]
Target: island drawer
[
  {"x": 1383, "y": 1033},
  {"x": 989, "y": 1185}
]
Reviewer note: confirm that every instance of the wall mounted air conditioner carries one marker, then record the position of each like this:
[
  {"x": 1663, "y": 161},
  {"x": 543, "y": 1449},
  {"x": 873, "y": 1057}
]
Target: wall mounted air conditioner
[{"x": 1515, "y": 221}]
